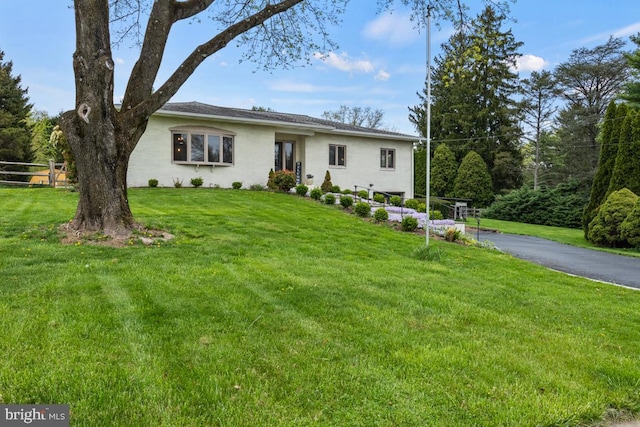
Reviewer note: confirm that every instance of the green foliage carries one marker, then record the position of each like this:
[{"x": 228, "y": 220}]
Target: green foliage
[
  {"x": 473, "y": 181},
  {"x": 256, "y": 187},
  {"x": 452, "y": 234},
  {"x": 422, "y": 207},
  {"x": 346, "y": 201},
  {"x": 560, "y": 206},
  {"x": 42, "y": 146},
  {"x": 474, "y": 94},
  {"x": 444, "y": 168},
  {"x": 395, "y": 201},
  {"x": 335, "y": 189},
  {"x": 301, "y": 190},
  {"x": 379, "y": 198},
  {"x": 347, "y": 191},
  {"x": 428, "y": 253},
  {"x": 381, "y": 215},
  {"x": 236, "y": 185},
  {"x": 329, "y": 199},
  {"x": 153, "y": 183},
  {"x": 412, "y": 204},
  {"x": 362, "y": 209},
  {"x": 271, "y": 185},
  {"x": 363, "y": 194},
  {"x": 409, "y": 223},
  {"x": 626, "y": 171},
  {"x": 436, "y": 215},
  {"x": 316, "y": 194},
  {"x": 197, "y": 182},
  {"x": 177, "y": 182},
  {"x": 632, "y": 88},
  {"x": 326, "y": 184},
  {"x": 630, "y": 227},
  {"x": 604, "y": 230},
  {"x": 284, "y": 180},
  {"x": 15, "y": 135},
  {"x": 613, "y": 119}
]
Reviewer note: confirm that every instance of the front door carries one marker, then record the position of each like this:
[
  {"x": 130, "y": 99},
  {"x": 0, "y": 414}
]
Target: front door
[{"x": 284, "y": 155}]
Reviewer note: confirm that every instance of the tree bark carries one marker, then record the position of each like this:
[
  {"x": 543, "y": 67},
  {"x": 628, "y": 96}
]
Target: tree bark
[{"x": 98, "y": 141}]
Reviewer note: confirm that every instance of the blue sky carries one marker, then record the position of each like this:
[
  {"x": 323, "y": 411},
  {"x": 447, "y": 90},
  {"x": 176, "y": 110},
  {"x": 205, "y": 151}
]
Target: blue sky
[{"x": 381, "y": 62}]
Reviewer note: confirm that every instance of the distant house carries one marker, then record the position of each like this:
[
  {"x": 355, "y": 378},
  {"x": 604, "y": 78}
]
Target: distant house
[{"x": 225, "y": 145}]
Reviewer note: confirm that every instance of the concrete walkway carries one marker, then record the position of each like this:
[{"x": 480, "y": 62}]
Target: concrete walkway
[{"x": 592, "y": 264}]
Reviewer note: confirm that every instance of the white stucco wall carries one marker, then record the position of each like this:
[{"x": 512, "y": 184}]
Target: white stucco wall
[{"x": 253, "y": 158}]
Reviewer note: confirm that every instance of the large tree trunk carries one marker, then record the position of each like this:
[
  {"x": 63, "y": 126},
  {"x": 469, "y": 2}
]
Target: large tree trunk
[{"x": 100, "y": 144}]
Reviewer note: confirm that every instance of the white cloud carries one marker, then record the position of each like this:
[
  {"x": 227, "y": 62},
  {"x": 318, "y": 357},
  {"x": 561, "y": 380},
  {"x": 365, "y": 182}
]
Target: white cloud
[
  {"x": 395, "y": 29},
  {"x": 118, "y": 61},
  {"x": 530, "y": 63},
  {"x": 604, "y": 36},
  {"x": 382, "y": 75},
  {"x": 344, "y": 63},
  {"x": 627, "y": 31}
]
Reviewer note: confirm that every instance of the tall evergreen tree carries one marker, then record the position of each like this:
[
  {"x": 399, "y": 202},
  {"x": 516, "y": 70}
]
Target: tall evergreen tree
[
  {"x": 14, "y": 109},
  {"x": 610, "y": 134},
  {"x": 420, "y": 171},
  {"x": 626, "y": 171},
  {"x": 589, "y": 80},
  {"x": 444, "y": 168},
  {"x": 632, "y": 89},
  {"x": 473, "y": 181},
  {"x": 473, "y": 94}
]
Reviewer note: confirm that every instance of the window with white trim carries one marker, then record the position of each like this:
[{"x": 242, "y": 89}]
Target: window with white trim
[
  {"x": 387, "y": 158},
  {"x": 337, "y": 155},
  {"x": 201, "y": 146}
]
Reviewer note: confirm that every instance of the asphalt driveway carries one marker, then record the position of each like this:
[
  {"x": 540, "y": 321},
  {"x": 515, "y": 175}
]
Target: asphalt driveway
[{"x": 597, "y": 265}]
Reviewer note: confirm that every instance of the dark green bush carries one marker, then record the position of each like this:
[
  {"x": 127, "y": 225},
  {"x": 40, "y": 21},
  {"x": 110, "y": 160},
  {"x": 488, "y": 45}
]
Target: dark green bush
[
  {"x": 362, "y": 209},
  {"x": 335, "y": 188},
  {"x": 153, "y": 183},
  {"x": 630, "y": 227},
  {"x": 604, "y": 229},
  {"x": 363, "y": 194},
  {"x": 329, "y": 199},
  {"x": 381, "y": 215},
  {"x": 412, "y": 204},
  {"x": 236, "y": 185},
  {"x": 422, "y": 207},
  {"x": 271, "y": 185},
  {"x": 435, "y": 215},
  {"x": 346, "y": 201},
  {"x": 326, "y": 185},
  {"x": 316, "y": 194},
  {"x": 395, "y": 201},
  {"x": 409, "y": 223},
  {"x": 347, "y": 191},
  {"x": 197, "y": 182},
  {"x": 284, "y": 180},
  {"x": 378, "y": 198},
  {"x": 301, "y": 190},
  {"x": 561, "y": 206},
  {"x": 473, "y": 181},
  {"x": 256, "y": 187}
]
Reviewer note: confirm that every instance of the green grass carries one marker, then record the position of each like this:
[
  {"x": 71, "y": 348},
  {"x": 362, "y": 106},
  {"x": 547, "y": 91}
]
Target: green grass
[
  {"x": 273, "y": 310},
  {"x": 569, "y": 236}
]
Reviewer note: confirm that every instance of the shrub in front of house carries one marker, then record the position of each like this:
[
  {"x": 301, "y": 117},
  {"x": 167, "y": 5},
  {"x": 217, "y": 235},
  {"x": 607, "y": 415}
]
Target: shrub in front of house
[
  {"x": 335, "y": 188},
  {"x": 256, "y": 187},
  {"x": 284, "y": 180},
  {"x": 347, "y": 191},
  {"x": 412, "y": 204},
  {"x": 177, "y": 182},
  {"x": 326, "y": 185},
  {"x": 363, "y": 194},
  {"x": 395, "y": 201},
  {"x": 236, "y": 185},
  {"x": 436, "y": 215},
  {"x": 271, "y": 185},
  {"x": 301, "y": 190},
  {"x": 316, "y": 194},
  {"x": 409, "y": 223},
  {"x": 362, "y": 209},
  {"x": 379, "y": 198},
  {"x": 381, "y": 215},
  {"x": 197, "y": 182},
  {"x": 153, "y": 183},
  {"x": 329, "y": 199},
  {"x": 346, "y": 201},
  {"x": 422, "y": 207}
]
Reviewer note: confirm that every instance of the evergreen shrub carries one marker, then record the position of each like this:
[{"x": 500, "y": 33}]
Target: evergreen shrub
[
  {"x": 630, "y": 227},
  {"x": 197, "y": 182},
  {"x": 236, "y": 185},
  {"x": 362, "y": 209},
  {"x": 316, "y": 194},
  {"x": 301, "y": 190},
  {"x": 326, "y": 185},
  {"x": 363, "y": 194},
  {"x": 412, "y": 204},
  {"x": 335, "y": 188},
  {"x": 378, "y": 198},
  {"x": 395, "y": 200},
  {"x": 346, "y": 201},
  {"x": 381, "y": 215},
  {"x": 153, "y": 183},
  {"x": 604, "y": 230},
  {"x": 329, "y": 199},
  {"x": 284, "y": 180},
  {"x": 409, "y": 223}
]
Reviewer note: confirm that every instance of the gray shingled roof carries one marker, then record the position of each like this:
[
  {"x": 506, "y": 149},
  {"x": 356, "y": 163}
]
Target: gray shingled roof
[{"x": 198, "y": 108}]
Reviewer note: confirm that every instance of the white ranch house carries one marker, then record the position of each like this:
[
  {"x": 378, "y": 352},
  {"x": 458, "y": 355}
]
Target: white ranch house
[{"x": 224, "y": 145}]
